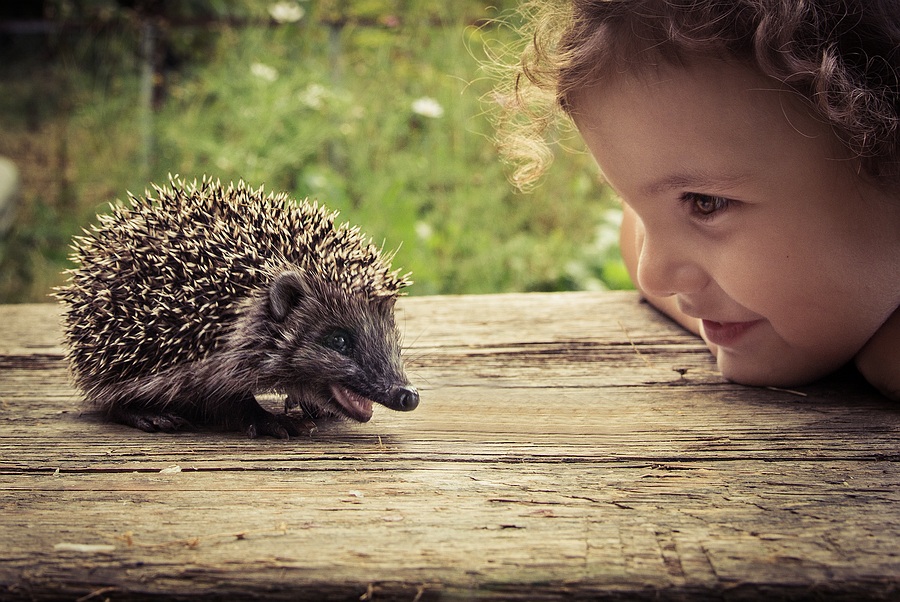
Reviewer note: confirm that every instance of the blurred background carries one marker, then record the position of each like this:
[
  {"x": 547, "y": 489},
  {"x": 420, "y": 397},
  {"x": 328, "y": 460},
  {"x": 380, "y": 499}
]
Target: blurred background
[{"x": 377, "y": 108}]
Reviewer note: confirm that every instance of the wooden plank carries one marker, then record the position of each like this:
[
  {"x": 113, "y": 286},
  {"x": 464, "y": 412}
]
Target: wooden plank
[{"x": 567, "y": 445}]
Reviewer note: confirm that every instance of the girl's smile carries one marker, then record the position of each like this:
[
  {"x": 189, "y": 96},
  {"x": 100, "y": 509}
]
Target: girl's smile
[{"x": 726, "y": 334}]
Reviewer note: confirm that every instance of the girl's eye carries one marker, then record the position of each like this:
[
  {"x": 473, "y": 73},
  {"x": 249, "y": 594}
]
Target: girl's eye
[{"x": 705, "y": 206}]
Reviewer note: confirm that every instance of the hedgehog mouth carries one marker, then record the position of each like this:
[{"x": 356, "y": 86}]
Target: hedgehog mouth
[{"x": 352, "y": 404}]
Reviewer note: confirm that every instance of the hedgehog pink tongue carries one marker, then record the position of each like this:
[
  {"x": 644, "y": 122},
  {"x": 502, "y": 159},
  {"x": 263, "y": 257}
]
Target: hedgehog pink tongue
[{"x": 356, "y": 406}]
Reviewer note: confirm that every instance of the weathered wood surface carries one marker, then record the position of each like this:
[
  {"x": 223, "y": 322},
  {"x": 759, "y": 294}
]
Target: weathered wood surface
[{"x": 567, "y": 446}]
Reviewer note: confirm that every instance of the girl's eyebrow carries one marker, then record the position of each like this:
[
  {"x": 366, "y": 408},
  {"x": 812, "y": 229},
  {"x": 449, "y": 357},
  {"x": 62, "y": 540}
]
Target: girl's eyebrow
[{"x": 695, "y": 180}]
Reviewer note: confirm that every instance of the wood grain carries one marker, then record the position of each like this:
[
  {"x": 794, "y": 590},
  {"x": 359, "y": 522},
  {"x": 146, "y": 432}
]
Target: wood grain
[{"x": 572, "y": 445}]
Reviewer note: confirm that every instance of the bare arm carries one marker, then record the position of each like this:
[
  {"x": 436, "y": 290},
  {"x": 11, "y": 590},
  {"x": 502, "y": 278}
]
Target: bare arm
[
  {"x": 631, "y": 239},
  {"x": 879, "y": 360}
]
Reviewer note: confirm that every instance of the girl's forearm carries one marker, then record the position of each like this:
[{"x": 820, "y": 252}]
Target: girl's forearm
[{"x": 879, "y": 360}]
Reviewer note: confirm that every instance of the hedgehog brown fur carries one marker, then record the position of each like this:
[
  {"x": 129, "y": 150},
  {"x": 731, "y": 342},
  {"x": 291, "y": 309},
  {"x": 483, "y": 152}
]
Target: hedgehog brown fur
[{"x": 187, "y": 304}]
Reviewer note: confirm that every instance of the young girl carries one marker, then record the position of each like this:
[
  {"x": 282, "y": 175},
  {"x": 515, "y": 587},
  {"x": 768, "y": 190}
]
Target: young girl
[{"x": 756, "y": 147}]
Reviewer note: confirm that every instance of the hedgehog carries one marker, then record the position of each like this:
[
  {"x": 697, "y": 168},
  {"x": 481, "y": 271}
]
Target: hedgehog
[{"x": 190, "y": 301}]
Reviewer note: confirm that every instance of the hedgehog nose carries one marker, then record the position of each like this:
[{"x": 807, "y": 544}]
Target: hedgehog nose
[{"x": 406, "y": 399}]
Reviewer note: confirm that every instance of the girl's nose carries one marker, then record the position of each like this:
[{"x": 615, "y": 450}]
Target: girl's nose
[{"x": 666, "y": 267}]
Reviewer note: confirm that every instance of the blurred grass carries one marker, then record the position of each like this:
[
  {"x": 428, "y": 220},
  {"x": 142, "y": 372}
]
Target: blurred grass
[{"x": 322, "y": 111}]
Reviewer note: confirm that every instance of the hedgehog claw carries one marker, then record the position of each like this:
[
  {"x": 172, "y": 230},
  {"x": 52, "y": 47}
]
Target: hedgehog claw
[{"x": 279, "y": 426}]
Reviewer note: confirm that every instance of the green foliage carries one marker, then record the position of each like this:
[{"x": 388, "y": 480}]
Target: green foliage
[{"x": 374, "y": 108}]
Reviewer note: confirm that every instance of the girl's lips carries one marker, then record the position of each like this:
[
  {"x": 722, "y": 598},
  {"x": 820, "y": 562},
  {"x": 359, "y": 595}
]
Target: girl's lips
[{"x": 726, "y": 334}]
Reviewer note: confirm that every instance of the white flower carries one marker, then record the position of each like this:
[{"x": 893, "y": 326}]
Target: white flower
[
  {"x": 427, "y": 107},
  {"x": 424, "y": 230},
  {"x": 314, "y": 96},
  {"x": 264, "y": 72},
  {"x": 286, "y": 12},
  {"x": 316, "y": 180}
]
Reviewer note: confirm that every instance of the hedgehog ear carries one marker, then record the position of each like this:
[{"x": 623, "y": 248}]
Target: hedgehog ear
[{"x": 284, "y": 294}]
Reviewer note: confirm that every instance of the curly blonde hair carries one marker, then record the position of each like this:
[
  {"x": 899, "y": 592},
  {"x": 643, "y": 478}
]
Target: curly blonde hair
[{"x": 842, "y": 56}]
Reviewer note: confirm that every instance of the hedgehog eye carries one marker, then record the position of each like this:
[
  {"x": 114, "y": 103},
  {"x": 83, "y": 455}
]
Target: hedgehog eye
[{"x": 341, "y": 341}]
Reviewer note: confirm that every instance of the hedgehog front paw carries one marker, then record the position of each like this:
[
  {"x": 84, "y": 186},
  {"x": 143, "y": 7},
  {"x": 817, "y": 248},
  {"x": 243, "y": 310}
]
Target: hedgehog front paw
[
  {"x": 151, "y": 422},
  {"x": 280, "y": 426}
]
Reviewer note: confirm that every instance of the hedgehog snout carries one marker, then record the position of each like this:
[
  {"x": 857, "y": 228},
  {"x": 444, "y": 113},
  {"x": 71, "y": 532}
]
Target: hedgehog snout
[{"x": 403, "y": 398}]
